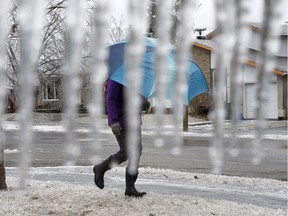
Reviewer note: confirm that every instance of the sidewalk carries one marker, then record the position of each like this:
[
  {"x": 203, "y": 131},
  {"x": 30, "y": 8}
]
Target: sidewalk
[{"x": 251, "y": 191}]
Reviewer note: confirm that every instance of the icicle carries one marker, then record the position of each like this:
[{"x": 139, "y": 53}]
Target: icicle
[
  {"x": 183, "y": 46},
  {"x": 133, "y": 56},
  {"x": 4, "y": 9},
  {"x": 98, "y": 71},
  {"x": 74, "y": 37},
  {"x": 225, "y": 42},
  {"x": 241, "y": 34},
  {"x": 31, "y": 17},
  {"x": 269, "y": 46},
  {"x": 161, "y": 57},
  {"x": 3, "y": 84}
]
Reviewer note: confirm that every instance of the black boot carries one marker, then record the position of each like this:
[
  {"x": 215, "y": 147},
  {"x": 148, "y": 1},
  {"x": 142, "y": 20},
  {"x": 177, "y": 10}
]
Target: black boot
[
  {"x": 130, "y": 186},
  {"x": 99, "y": 171}
]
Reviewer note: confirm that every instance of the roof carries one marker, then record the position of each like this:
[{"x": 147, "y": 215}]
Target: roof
[
  {"x": 284, "y": 69},
  {"x": 259, "y": 27},
  {"x": 279, "y": 70},
  {"x": 205, "y": 44}
]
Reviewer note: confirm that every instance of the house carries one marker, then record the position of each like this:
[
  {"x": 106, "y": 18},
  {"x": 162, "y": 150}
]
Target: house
[
  {"x": 276, "y": 108},
  {"x": 50, "y": 97},
  {"x": 49, "y": 94}
]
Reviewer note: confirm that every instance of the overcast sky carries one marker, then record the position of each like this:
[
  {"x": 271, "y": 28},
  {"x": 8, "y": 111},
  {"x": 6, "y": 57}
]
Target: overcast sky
[{"x": 205, "y": 15}]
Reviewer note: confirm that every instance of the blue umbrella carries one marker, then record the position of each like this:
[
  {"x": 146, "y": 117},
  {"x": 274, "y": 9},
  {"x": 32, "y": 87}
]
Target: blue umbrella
[{"x": 196, "y": 81}]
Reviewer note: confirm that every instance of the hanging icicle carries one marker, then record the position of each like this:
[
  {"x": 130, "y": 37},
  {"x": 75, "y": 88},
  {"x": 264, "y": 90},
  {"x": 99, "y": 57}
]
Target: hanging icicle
[
  {"x": 269, "y": 46},
  {"x": 225, "y": 42},
  {"x": 98, "y": 72},
  {"x": 241, "y": 33},
  {"x": 74, "y": 37},
  {"x": 4, "y": 9},
  {"x": 183, "y": 52},
  {"x": 163, "y": 19},
  {"x": 133, "y": 57},
  {"x": 31, "y": 20}
]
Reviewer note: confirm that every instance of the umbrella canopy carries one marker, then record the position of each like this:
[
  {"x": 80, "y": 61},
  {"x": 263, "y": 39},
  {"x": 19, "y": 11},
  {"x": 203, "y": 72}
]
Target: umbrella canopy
[{"x": 196, "y": 81}]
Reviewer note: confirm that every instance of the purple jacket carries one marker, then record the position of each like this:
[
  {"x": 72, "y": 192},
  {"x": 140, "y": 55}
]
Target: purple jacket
[{"x": 115, "y": 103}]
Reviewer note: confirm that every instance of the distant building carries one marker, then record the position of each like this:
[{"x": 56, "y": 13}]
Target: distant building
[
  {"x": 49, "y": 94},
  {"x": 276, "y": 108}
]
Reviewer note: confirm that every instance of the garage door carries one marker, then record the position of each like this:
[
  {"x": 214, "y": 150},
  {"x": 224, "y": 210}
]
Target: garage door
[{"x": 270, "y": 107}]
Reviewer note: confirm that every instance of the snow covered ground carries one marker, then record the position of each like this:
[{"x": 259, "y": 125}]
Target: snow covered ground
[
  {"x": 204, "y": 130},
  {"x": 76, "y": 194}
]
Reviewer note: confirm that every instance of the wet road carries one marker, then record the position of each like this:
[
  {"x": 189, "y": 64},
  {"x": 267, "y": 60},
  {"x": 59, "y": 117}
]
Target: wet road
[{"x": 48, "y": 150}]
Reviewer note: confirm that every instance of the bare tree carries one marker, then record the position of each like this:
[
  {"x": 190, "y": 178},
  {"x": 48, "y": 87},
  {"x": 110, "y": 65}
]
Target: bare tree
[
  {"x": 175, "y": 14},
  {"x": 50, "y": 55},
  {"x": 152, "y": 18},
  {"x": 117, "y": 31},
  {"x": 152, "y": 13}
]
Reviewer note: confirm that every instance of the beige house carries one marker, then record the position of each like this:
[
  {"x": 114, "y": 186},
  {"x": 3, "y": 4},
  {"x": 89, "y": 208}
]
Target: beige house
[{"x": 276, "y": 108}]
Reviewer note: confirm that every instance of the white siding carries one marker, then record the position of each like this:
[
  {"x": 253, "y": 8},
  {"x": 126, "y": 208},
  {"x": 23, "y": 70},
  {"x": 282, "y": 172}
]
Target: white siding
[
  {"x": 249, "y": 95},
  {"x": 254, "y": 43},
  {"x": 270, "y": 106}
]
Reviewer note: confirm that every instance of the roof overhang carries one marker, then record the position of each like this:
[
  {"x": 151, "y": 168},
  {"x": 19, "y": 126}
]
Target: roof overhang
[
  {"x": 274, "y": 70},
  {"x": 203, "y": 46}
]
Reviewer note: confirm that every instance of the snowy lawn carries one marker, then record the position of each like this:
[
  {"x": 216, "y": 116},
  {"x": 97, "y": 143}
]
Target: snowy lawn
[
  {"x": 64, "y": 198},
  {"x": 206, "y": 131}
]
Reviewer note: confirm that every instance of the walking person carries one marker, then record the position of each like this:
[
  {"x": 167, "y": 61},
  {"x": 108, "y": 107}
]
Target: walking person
[{"x": 116, "y": 109}]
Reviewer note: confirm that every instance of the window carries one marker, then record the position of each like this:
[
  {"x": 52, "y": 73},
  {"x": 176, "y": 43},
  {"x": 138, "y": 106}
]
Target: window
[{"x": 50, "y": 91}]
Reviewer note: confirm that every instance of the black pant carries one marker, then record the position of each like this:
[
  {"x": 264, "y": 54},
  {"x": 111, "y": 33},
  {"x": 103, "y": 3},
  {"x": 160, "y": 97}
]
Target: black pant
[{"x": 122, "y": 155}]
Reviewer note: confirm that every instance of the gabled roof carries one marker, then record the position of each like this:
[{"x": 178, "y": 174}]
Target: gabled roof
[
  {"x": 205, "y": 44},
  {"x": 211, "y": 34}
]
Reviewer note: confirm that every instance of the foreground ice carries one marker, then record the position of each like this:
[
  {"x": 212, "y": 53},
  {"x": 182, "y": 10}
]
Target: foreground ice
[{"x": 71, "y": 191}]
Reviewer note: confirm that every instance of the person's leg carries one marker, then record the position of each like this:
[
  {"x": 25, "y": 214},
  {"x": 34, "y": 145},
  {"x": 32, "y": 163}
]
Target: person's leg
[
  {"x": 115, "y": 159},
  {"x": 120, "y": 156},
  {"x": 131, "y": 176}
]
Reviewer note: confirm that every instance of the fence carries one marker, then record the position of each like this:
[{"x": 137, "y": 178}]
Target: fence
[{"x": 230, "y": 19}]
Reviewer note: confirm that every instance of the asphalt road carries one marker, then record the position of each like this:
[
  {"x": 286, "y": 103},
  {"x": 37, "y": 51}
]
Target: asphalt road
[{"x": 48, "y": 150}]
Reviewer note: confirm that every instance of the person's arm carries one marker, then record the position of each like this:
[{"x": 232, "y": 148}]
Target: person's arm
[{"x": 113, "y": 94}]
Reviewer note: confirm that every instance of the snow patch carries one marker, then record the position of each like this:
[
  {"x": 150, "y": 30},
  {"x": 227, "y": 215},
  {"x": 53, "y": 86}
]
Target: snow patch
[{"x": 11, "y": 151}]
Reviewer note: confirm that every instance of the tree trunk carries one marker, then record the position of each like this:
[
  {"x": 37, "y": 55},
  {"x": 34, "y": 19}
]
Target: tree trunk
[
  {"x": 185, "y": 119},
  {"x": 175, "y": 21},
  {"x": 3, "y": 185},
  {"x": 152, "y": 19}
]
